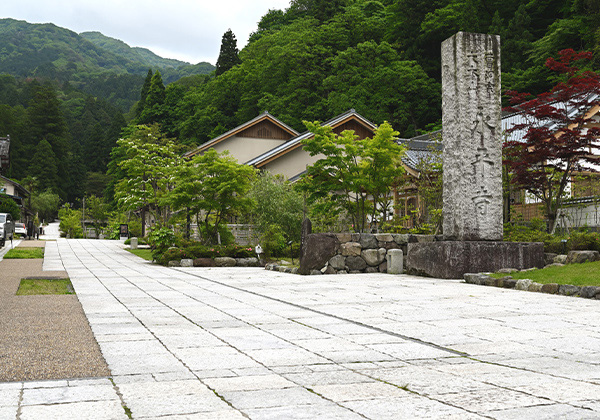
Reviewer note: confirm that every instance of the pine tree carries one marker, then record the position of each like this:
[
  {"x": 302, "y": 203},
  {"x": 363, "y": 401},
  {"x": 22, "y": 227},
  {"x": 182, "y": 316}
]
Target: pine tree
[
  {"x": 44, "y": 167},
  {"x": 143, "y": 94},
  {"x": 155, "y": 99},
  {"x": 228, "y": 56}
]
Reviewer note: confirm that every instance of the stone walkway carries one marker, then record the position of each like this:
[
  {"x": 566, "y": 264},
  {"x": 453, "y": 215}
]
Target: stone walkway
[{"x": 249, "y": 343}]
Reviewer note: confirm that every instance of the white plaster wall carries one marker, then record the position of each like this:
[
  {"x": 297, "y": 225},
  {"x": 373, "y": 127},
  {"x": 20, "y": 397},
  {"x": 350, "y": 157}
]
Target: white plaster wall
[{"x": 246, "y": 148}]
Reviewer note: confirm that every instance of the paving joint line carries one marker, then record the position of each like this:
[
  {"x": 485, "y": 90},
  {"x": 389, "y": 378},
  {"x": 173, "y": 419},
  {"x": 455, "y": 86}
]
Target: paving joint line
[
  {"x": 159, "y": 340},
  {"x": 358, "y": 323},
  {"x": 234, "y": 347},
  {"x": 20, "y": 403}
]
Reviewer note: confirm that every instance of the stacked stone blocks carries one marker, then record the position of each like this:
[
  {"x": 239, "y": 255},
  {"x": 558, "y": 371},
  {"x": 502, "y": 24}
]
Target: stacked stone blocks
[{"x": 342, "y": 253}]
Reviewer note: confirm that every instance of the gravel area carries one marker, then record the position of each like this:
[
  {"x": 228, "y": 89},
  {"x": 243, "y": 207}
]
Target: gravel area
[
  {"x": 43, "y": 337},
  {"x": 26, "y": 243}
]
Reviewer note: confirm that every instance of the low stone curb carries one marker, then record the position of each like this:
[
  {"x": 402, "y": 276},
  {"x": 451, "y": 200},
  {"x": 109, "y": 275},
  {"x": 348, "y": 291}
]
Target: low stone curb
[
  {"x": 282, "y": 269},
  {"x": 484, "y": 279},
  {"x": 215, "y": 262}
]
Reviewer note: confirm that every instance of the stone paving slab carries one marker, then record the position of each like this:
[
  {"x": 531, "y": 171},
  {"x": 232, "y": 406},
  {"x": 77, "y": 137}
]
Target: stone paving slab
[{"x": 232, "y": 343}]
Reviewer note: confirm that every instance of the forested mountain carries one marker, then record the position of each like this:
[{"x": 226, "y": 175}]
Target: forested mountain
[
  {"x": 142, "y": 56},
  {"x": 64, "y": 101},
  {"x": 91, "y": 62},
  {"x": 172, "y": 70}
]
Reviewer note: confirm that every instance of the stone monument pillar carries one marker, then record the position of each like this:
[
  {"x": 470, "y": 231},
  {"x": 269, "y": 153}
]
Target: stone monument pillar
[
  {"x": 472, "y": 161},
  {"x": 472, "y": 137}
]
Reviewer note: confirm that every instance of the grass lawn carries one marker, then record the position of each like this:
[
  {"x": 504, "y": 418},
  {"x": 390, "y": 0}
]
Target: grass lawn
[
  {"x": 142, "y": 253},
  {"x": 586, "y": 274},
  {"x": 24, "y": 253},
  {"x": 45, "y": 287}
]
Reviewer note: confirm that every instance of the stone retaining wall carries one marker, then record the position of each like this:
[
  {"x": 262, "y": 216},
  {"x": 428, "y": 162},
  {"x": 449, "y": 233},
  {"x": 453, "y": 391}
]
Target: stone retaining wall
[{"x": 342, "y": 253}]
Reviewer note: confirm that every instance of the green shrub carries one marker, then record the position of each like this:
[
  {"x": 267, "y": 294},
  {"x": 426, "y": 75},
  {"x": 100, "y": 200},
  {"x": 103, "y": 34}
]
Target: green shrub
[
  {"x": 238, "y": 251},
  {"x": 160, "y": 241},
  {"x": 535, "y": 232},
  {"x": 580, "y": 240},
  {"x": 224, "y": 233},
  {"x": 273, "y": 241},
  {"x": 201, "y": 251},
  {"x": 171, "y": 254},
  {"x": 70, "y": 222}
]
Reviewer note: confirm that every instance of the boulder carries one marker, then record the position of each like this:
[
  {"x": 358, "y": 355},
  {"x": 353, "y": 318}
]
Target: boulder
[
  {"x": 373, "y": 257},
  {"x": 371, "y": 270},
  {"x": 187, "y": 262},
  {"x": 502, "y": 280},
  {"x": 384, "y": 237},
  {"x": 535, "y": 287},
  {"x": 338, "y": 262},
  {"x": 329, "y": 270},
  {"x": 355, "y": 263},
  {"x": 315, "y": 273},
  {"x": 368, "y": 241},
  {"x": 491, "y": 281},
  {"x": 389, "y": 245},
  {"x": 400, "y": 238},
  {"x": 555, "y": 265},
  {"x": 507, "y": 270},
  {"x": 344, "y": 237},
  {"x": 351, "y": 249},
  {"x": 317, "y": 249},
  {"x": 247, "y": 262},
  {"x": 568, "y": 290},
  {"x": 422, "y": 239},
  {"x": 475, "y": 278},
  {"x": 523, "y": 284},
  {"x": 551, "y": 288},
  {"x": 225, "y": 262},
  {"x": 577, "y": 257},
  {"x": 589, "y": 292},
  {"x": 174, "y": 263},
  {"x": 509, "y": 283},
  {"x": 549, "y": 257},
  {"x": 342, "y": 272},
  {"x": 560, "y": 259},
  {"x": 204, "y": 262}
]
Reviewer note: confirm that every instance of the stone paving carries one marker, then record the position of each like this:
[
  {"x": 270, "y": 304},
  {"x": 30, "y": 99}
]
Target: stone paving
[{"x": 234, "y": 343}]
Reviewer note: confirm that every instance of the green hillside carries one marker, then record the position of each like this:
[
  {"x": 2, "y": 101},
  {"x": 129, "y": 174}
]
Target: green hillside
[
  {"x": 94, "y": 63},
  {"x": 135, "y": 54},
  {"x": 46, "y": 50}
]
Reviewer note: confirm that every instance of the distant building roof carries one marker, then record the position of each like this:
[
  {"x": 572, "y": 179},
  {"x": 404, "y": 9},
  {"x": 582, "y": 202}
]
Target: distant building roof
[
  {"x": 418, "y": 149},
  {"x": 295, "y": 142},
  {"x": 19, "y": 187},
  {"x": 264, "y": 116}
]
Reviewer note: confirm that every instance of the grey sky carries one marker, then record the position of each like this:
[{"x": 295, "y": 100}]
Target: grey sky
[{"x": 188, "y": 30}]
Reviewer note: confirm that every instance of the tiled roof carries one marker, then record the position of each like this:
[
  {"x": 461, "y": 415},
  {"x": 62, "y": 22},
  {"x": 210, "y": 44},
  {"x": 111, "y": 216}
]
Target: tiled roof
[
  {"x": 290, "y": 144},
  {"x": 419, "y": 150}
]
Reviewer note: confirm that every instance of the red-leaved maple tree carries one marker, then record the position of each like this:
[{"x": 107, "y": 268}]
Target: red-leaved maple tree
[{"x": 560, "y": 133}]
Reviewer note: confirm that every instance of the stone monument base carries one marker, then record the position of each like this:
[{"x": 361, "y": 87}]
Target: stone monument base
[{"x": 452, "y": 259}]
